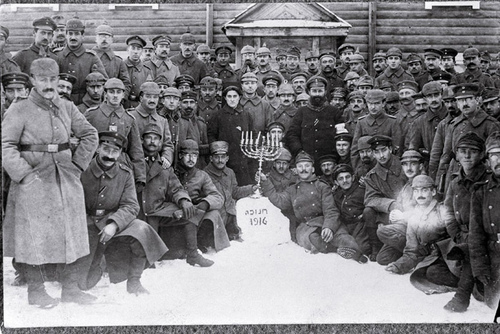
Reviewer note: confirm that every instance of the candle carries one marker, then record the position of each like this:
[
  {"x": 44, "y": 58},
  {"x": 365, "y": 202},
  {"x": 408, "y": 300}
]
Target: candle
[
  {"x": 251, "y": 138},
  {"x": 242, "y": 139},
  {"x": 258, "y": 138}
]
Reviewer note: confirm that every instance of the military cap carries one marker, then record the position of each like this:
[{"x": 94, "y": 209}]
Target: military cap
[
  {"x": 223, "y": 49},
  {"x": 293, "y": 51},
  {"x": 189, "y": 95},
  {"x": 152, "y": 128},
  {"x": 280, "y": 53},
  {"x": 59, "y": 21},
  {"x": 470, "y": 140},
  {"x": 493, "y": 142},
  {"x": 448, "y": 93},
  {"x": 249, "y": 76},
  {"x": 356, "y": 58},
  {"x": 114, "y": 83},
  {"x": 432, "y": 87},
  {"x": 189, "y": 146},
  {"x": 44, "y": 67},
  {"x": 202, "y": 48},
  {"x": 95, "y": 78},
  {"x": 470, "y": 52},
  {"x": 343, "y": 137},
  {"x": 365, "y": 80},
  {"x": 68, "y": 77},
  {"x": 408, "y": 84},
  {"x": 378, "y": 140},
  {"x": 379, "y": 55},
  {"x": 161, "y": 79},
  {"x": 172, "y": 91},
  {"x": 150, "y": 87},
  {"x": 342, "y": 168},
  {"x": 485, "y": 55},
  {"x": 271, "y": 76},
  {"x": 231, "y": 88},
  {"x": 328, "y": 53},
  {"x": 104, "y": 29},
  {"x": 263, "y": 51},
  {"x": 422, "y": 181},
  {"x": 355, "y": 94},
  {"x": 46, "y": 22},
  {"x": 275, "y": 124},
  {"x": 286, "y": 89},
  {"x": 411, "y": 155},
  {"x": 351, "y": 75},
  {"x": 187, "y": 38},
  {"x": 247, "y": 49},
  {"x": 184, "y": 79},
  {"x": 467, "y": 89},
  {"x": 4, "y": 31},
  {"x": 75, "y": 25},
  {"x": 162, "y": 39},
  {"x": 431, "y": 52},
  {"x": 149, "y": 45},
  {"x": 316, "y": 81},
  {"x": 375, "y": 95},
  {"x": 302, "y": 97},
  {"x": 284, "y": 155},
  {"x": 219, "y": 147},
  {"x": 112, "y": 137},
  {"x": 298, "y": 74},
  {"x": 328, "y": 158},
  {"x": 311, "y": 54},
  {"x": 449, "y": 52},
  {"x": 386, "y": 86},
  {"x": 413, "y": 57},
  {"x": 339, "y": 92},
  {"x": 441, "y": 76},
  {"x": 136, "y": 40},
  {"x": 363, "y": 143},
  {"x": 346, "y": 47},
  {"x": 394, "y": 52},
  {"x": 392, "y": 97},
  {"x": 208, "y": 82},
  {"x": 303, "y": 156},
  {"x": 15, "y": 79},
  {"x": 490, "y": 94}
]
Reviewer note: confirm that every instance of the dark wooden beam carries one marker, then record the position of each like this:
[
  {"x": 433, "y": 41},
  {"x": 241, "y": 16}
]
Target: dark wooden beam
[
  {"x": 372, "y": 34},
  {"x": 210, "y": 25}
]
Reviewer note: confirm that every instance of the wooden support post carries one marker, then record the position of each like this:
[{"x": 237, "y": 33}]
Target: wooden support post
[
  {"x": 372, "y": 35},
  {"x": 209, "y": 35},
  {"x": 315, "y": 44},
  {"x": 256, "y": 43},
  {"x": 237, "y": 57}
]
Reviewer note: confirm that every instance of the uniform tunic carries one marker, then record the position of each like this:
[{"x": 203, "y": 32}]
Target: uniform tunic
[
  {"x": 476, "y": 76},
  {"x": 424, "y": 128},
  {"x": 115, "y": 67},
  {"x": 25, "y": 57},
  {"x": 163, "y": 66},
  {"x": 7, "y": 64},
  {"x": 438, "y": 147},
  {"x": 260, "y": 110},
  {"x": 226, "y": 74},
  {"x": 207, "y": 110},
  {"x": 285, "y": 115},
  {"x": 393, "y": 77},
  {"x": 139, "y": 73},
  {"x": 406, "y": 122},
  {"x": 87, "y": 103},
  {"x": 191, "y": 66}
]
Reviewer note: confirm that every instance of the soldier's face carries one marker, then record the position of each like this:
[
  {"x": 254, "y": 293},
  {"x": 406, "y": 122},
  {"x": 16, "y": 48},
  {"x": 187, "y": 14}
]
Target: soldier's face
[
  {"x": 204, "y": 56},
  {"x": 467, "y": 105},
  {"x": 189, "y": 160},
  {"x": 103, "y": 41},
  {"x": 312, "y": 63},
  {"x": 366, "y": 155},
  {"x": 382, "y": 154},
  {"x": 345, "y": 55},
  {"x": 171, "y": 102},
  {"x": 421, "y": 105},
  {"x": 356, "y": 67},
  {"x": 162, "y": 50},
  {"x": 114, "y": 96},
  {"x": 492, "y": 108},
  {"x": 343, "y": 148},
  {"x": 379, "y": 64},
  {"x": 304, "y": 169},
  {"x": 188, "y": 107},
  {"x": 150, "y": 101},
  {"x": 223, "y": 58},
  {"x": 45, "y": 85},
  {"x": 344, "y": 180},
  {"x": 327, "y": 167},
  {"x": 448, "y": 63},
  {"x": 147, "y": 53},
  {"x": 74, "y": 38},
  {"x": 338, "y": 102},
  {"x": 365, "y": 87},
  {"x": 232, "y": 98},
  {"x": 163, "y": 88},
  {"x": 432, "y": 62},
  {"x": 485, "y": 65},
  {"x": 494, "y": 161},
  {"x": 151, "y": 143},
  {"x": 299, "y": 85},
  {"x": 434, "y": 100},
  {"x": 184, "y": 87},
  {"x": 327, "y": 64},
  {"x": 208, "y": 93},
  {"x": 392, "y": 107},
  {"x": 263, "y": 59},
  {"x": 472, "y": 62},
  {"x": 357, "y": 104},
  {"x": 414, "y": 67},
  {"x": 286, "y": 100},
  {"x": 423, "y": 196},
  {"x": 219, "y": 160},
  {"x": 108, "y": 154},
  {"x": 375, "y": 107},
  {"x": 451, "y": 105},
  {"x": 405, "y": 96},
  {"x": 134, "y": 52},
  {"x": 187, "y": 49},
  {"x": 248, "y": 58},
  {"x": 43, "y": 36},
  {"x": 281, "y": 166},
  {"x": 64, "y": 88},
  {"x": 59, "y": 35},
  {"x": 271, "y": 89},
  {"x": 249, "y": 87},
  {"x": 281, "y": 60},
  {"x": 12, "y": 93},
  {"x": 469, "y": 157},
  {"x": 292, "y": 62},
  {"x": 393, "y": 62},
  {"x": 351, "y": 84},
  {"x": 411, "y": 168},
  {"x": 95, "y": 91}
]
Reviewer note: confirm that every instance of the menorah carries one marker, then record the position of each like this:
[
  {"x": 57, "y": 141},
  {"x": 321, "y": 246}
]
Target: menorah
[{"x": 262, "y": 148}]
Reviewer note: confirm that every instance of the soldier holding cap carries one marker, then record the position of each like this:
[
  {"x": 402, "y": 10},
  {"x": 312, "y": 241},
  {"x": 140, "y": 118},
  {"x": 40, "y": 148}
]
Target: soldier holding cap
[
  {"x": 43, "y": 30},
  {"x": 345, "y": 51},
  {"x": 159, "y": 62},
  {"x": 484, "y": 230},
  {"x": 394, "y": 73},
  {"x": 379, "y": 63},
  {"x": 15, "y": 85},
  {"x": 95, "y": 89},
  {"x": 7, "y": 65},
  {"x": 46, "y": 186},
  {"x": 473, "y": 73},
  {"x": 261, "y": 110},
  {"x": 312, "y": 62},
  {"x": 138, "y": 72},
  {"x": 59, "y": 40},
  {"x": 111, "y": 116},
  {"x": 208, "y": 104},
  {"x": 78, "y": 61},
  {"x": 415, "y": 67},
  {"x": 187, "y": 61},
  {"x": 65, "y": 85},
  {"x": 145, "y": 114},
  {"x": 287, "y": 109}
]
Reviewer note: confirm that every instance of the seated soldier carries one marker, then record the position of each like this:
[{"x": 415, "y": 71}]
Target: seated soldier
[
  {"x": 327, "y": 164},
  {"x": 128, "y": 244},
  {"x": 225, "y": 181},
  {"x": 349, "y": 198},
  {"x": 313, "y": 205},
  {"x": 343, "y": 143},
  {"x": 205, "y": 196},
  {"x": 366, "y": 157}
]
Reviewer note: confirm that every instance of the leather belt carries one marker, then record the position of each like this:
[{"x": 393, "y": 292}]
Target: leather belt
[
  {"x": 51, "y": 148},
  {"x": 98, "y": 213}
]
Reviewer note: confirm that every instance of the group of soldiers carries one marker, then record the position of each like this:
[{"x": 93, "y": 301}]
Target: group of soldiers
[{"x": 118, "y": 159}]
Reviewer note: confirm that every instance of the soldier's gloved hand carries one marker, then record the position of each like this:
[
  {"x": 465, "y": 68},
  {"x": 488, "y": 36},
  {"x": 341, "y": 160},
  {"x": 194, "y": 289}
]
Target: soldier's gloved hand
[
  {"x": 188, "y": 208},
  {"x": 327, "y": 235},
  {"x": 485, "y": 279},
  {"x": 108, "y": 231},
  {"x": 139, "y": 187},
  {"x": 203, "y": 206},
  {"x": 362, "y": 181},
  {"x": 165, "y": 163},
  {"x": 263, "y": 177},
  {"x": 395, "y": 215},
  {"x": 393, "y": 269}
]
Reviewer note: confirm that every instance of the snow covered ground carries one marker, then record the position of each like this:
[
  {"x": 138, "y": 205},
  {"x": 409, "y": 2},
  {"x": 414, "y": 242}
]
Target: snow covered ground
[{"x": 249, "y": 283}]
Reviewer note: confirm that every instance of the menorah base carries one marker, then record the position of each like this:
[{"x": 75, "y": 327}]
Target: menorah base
[{"x": 256, "y": 194}]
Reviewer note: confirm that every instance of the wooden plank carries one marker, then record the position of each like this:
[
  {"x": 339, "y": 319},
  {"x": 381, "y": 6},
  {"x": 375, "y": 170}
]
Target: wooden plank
[
  {"x": 437, "y": 23},
  {"x": 209, "y": 36},
  {"x": 372, "y": 33},
  {"x": 438, "y": 40},
  {"x": 448, "y": 31},
  {"x": 441, "y": 14}
]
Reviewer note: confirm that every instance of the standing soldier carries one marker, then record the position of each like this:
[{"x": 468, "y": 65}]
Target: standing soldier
[
  {"x": 355, "y": 109},
  {"x": 329, "y": 72},
  {"x": 379, "y": 63},
  {"x": 292, "y": 63},
  {"x": 264, "y": 68},
  {"x": 312, "y": 62},
  {"x": 59, "y": 40},
  {"x": 272, "y": 81},
  {"x": 448, "y": 60},
  {"x": 43, "y": 29},
  {"x": 95, "y": 89},
  {"x": 394, "y": 73},
  {"x": 187, "y": 61},
  {"x": 47, "y": 223},
  {"x": 159, "y": 62},
  {"x": 408, "y": 113},
  {"x": 261, "y": 110},
  {"x": 208, "y": 103},
  {"x": 76, "y": 60},
  {"x": 415, "y": 68},
  {"x": 222, "y": 67},
  {"x": 432, "y": 59},
  {"x": 473, "y": 73},
  {"x": 138, "y": 72},
  {"x": 248, "y": 58},
  {"x": 345, "y": 52},
  {"x": 148, "y": 51},
  {"x": 170, "y": 110},
  {"x": 6, "y": 63},
  {"x": 287, "y": 109},
  {"x": 15, "y": 85}
]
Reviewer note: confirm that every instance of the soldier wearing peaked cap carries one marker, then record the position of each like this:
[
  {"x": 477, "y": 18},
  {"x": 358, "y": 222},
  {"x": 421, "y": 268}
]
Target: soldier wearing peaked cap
[
  {"x": 345, "y": 51},
  {"x": 6, "y": 63},
  {"x": 15, "y": 85},
  {"x": 416, "y": 68},
  {"x": 138, "y": 72},
  {"x": 394, "y": 73},
  {"x": 271, "y": 83},
  {"x": 94, "y": 91},
  {"x": 491, "y": 102},
  {"x": 343, "y": 142},
  {"x": 187, "y": 62},
  {"x": 287, "y": 109},
  {"x": 327, "y": 163},
  {"x": 185, "y": 83},
  {"x": 448, "y": 60},
  {"x": 59, "y": 40},
  {"x": 65, "y": 85},
  {"x": 160, "y": 62},
  {"x": 312, "y": 62},
  {"x": 379, "y": 63},
  {"x": 473, "y": 73},
  {"x": 208, "y": 104}
]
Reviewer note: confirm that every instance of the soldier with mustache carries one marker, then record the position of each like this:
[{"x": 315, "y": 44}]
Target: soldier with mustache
[
  {"x": 287, "y": 109},
  {"x": 187, "y": 61},
  {"x": 159, "y": 63},
  {"x": 59, "y": 40},
  {"x": 473, "y": 73}
]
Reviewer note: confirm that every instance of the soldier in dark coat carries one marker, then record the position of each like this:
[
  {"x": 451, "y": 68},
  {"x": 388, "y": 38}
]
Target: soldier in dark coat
[
  {"x": 408, "y": 113},
  {"x": 329, "y": 72},
  {"x": 327, "y": 163},
  {"x": 366, "y": 158},
  {"x": 415, "y": 67},
  {"x": 432, "y": 59},
  {"x": 222, "y": 67},
  {"x": 95, "y": 90},
  {"x": 394, "y": 73},
  {"x": 15, "y": 85},
  {"x": 208, "y": 104},
  {"x": 138, "y": 72},
  {"x": 6, "y": 63},
  {"x": 187, "y": 62},
  {"x": 287, "y": 109},
  {"x": 473, "y": 73},
  {"x": 159, "y": 63}
]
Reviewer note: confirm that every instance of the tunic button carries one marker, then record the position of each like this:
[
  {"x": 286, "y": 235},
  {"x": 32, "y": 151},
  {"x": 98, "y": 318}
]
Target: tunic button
[
  {"x": 312, "y": 192},
  {"x": 492, "y": 224},
  {"x": 313, "y": 204},
  {"x": 102, "y": 195},
  {"x": 457, "y": 212},
  {"x": 490, "y": 207}
]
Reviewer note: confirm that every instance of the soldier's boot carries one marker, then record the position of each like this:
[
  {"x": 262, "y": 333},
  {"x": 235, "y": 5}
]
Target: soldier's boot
[
  {"x": 375, "y": 243},
  {"x": 351, "y": 253},
  {"x": 233, "y": 230},
  {"x": 318, "y": 242},
  {"x": 136, "y": 267},
  {"x": 175, "y": 244},
  {"x": 193, "y": 257},
  {"x": 36, "y": 289},
  {"x": 20, "y": 278},
  {"x": 461, "y": 299},
  {"x": 478, "y": 291},
  {"x": 71, "y": 293}
]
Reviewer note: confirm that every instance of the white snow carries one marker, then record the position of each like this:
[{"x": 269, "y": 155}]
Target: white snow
[{"x": 250, "y": 283}]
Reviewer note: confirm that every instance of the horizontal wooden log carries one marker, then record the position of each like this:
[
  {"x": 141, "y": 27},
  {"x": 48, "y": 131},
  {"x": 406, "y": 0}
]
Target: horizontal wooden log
[
  {"x": 446, "y": 31},
  {"x": 437, "y": 40},
  {"x": 437, "y": 23}
]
